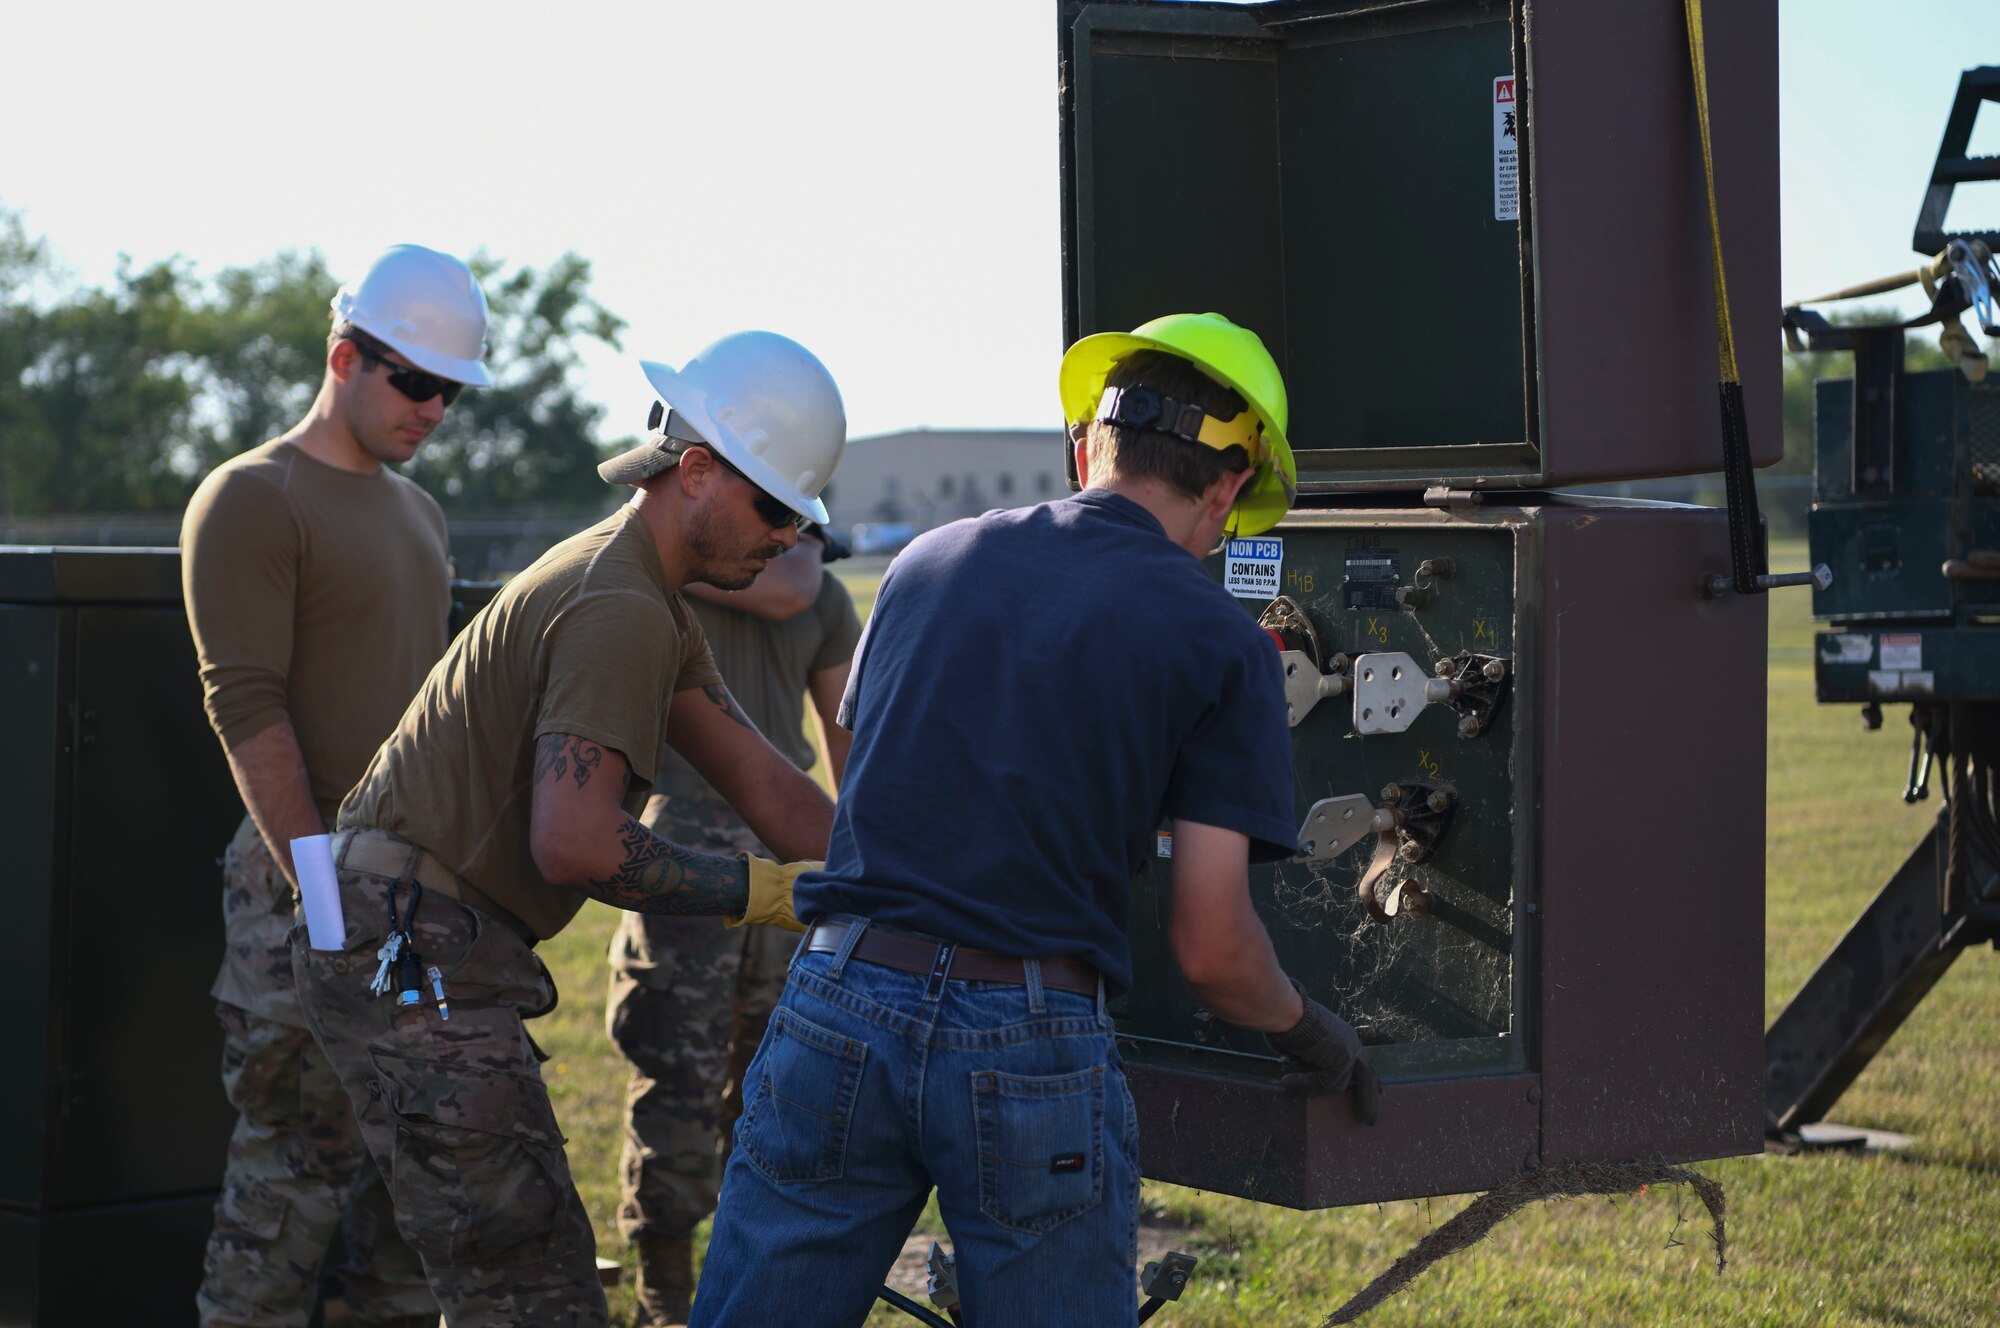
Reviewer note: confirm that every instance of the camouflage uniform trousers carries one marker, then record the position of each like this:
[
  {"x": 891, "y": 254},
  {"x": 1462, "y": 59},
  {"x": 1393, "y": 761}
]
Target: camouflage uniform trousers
[
  {"x": 454, "y": 1111},
  {"x": 688, "y": 1005},
  {"x": 296, "y": 1170}
]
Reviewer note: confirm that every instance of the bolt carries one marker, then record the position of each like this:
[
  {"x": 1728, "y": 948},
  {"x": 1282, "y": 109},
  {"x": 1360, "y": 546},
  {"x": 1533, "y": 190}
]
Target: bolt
[
  {"x": 1468, "y": 727},
  {"x": 1392, "y": 792},
  {"x": 1445, "y": 668},
  {"x": 1416, "y": 902},
  {"x": 1534, "y": 1094},
  {"x": 1532, "y": 1159},
  {"x": 1438, "y": 801},
  {"x": 1338, "y": 664},
  {"x": 1495, "y": 670},
  {"x": 1410, "y": 851}
]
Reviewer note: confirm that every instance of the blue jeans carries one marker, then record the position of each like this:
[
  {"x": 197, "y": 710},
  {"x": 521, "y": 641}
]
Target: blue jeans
[{"x": 874, "y": 1085}]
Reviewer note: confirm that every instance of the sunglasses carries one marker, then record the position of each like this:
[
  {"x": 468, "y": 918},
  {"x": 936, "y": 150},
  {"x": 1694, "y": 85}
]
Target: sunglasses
[
  {"x": 412, "y": 383},
  {"x": 773, "y": 512}
]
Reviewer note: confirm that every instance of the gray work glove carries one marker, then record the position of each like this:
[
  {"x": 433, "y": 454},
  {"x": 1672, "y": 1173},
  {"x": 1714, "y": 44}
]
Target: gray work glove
[{"x": 1332, "y": 1056}]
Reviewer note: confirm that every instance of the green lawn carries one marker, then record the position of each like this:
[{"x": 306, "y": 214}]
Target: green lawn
[{"x": 1902, "y": 1239}]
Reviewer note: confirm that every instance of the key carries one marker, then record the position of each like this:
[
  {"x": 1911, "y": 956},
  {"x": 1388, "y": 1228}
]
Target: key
[
  {"x": 437, "y": 990},
  {"x": 387, "y": 954}
]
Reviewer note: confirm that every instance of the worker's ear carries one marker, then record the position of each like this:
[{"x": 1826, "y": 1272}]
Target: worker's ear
[
  {"x": 1222, "y": 493},
  {"x": 1079, "y": 439},
  {"x": 696, "y": 471},
  {"x": 343, "y": 359}
]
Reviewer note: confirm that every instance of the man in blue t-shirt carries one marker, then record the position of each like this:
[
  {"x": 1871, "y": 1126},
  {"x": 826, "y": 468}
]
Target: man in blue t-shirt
[{"x": 1036, "y": 691}]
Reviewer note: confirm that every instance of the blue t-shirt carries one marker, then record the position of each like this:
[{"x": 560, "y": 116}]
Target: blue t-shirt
[{"x": 1036, "y": 692}]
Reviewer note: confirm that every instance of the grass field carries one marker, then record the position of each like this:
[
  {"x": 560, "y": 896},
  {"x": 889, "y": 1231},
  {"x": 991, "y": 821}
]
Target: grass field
[{"x": 1902, "y": 1239}]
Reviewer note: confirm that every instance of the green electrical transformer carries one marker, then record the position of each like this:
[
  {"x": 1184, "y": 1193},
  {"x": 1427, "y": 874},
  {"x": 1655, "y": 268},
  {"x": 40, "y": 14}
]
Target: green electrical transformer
[
  {"x": 117, "y": 809},
  {"x": 1528, "y": 733},
  {"x": 117, "y": 806}
]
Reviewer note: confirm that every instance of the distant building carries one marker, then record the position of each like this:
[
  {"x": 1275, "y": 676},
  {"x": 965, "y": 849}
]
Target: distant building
[{"x": 927, "y": 477}]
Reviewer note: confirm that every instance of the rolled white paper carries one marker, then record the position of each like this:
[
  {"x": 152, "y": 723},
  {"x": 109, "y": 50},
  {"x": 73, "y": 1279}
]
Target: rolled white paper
[{"x": 319, "y": 889}]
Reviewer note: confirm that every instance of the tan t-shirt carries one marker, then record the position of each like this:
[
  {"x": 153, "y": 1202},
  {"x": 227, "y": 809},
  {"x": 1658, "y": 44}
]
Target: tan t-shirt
[
  {"x": 588, "y": 641},
  {"x": 766, "y": 665},
  {"x": 317, "y": 595}
]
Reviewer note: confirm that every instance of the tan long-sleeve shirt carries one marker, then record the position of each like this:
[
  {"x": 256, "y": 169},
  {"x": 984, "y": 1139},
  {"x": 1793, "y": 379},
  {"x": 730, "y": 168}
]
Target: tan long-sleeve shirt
[{"x": 317, "y": 595}]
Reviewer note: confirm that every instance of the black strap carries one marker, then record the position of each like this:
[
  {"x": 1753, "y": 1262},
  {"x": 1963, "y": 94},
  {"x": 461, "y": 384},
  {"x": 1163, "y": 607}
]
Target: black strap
[{"x": 1746, "y": 523}]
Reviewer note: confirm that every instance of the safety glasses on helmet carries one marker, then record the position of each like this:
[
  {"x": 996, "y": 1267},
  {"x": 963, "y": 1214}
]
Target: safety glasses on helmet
[{"x": 412, "y": 383}]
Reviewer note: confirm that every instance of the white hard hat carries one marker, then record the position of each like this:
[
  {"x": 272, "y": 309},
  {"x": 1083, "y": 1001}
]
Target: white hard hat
[
  {"x": 425, "y": 305},
  {"x": 765, "y": 404}
]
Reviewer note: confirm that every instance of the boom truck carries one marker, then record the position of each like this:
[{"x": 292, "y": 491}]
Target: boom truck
[{"x": 1906, "y": 510}]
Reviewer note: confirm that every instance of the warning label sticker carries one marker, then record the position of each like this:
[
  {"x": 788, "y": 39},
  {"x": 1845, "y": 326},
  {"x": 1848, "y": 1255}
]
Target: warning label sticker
[
  {"x": 1506, "y": 159},
  {"x": 1251, "y": 568},
  {"x": 1902, "y": 650},
  {"x": 1369, "y": 579}
]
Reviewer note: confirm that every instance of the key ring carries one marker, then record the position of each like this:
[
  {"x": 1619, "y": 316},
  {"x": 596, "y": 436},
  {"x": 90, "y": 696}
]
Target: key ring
[{"x": 409, "y": 918}]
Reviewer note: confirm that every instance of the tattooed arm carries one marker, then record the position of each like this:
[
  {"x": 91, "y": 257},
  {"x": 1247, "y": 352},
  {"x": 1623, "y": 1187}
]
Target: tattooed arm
[
  {"x": 582, "y": 837},
  {"x": 779, "y": 802}
]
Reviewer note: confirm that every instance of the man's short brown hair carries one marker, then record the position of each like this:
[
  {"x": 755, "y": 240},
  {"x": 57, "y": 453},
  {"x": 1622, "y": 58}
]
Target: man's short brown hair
[{"x": 1133, "y": 453}]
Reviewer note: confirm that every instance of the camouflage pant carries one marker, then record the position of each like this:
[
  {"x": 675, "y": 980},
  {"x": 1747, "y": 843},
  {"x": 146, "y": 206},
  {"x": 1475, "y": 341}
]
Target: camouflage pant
[
  {"x": 455, "y": 1112},
  {"x": 688, "y": 1004},
  {"x": 296, "y": 1165}
]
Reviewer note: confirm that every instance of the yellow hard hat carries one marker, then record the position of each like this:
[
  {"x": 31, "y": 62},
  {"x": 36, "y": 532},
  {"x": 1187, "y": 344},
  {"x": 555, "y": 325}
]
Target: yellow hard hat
[{"x": 1232, "y": 356}]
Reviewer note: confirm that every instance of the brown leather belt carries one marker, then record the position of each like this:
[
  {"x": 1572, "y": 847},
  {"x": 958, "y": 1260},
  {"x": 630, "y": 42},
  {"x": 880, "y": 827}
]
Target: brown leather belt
[
  {"x": 914, "y": 954},
  {"x": 381, "y": 853}
]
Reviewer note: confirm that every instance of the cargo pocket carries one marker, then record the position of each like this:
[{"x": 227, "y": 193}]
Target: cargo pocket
[
  {"x": 796, "y": 1120},
  {"x": 244, "y": 1268},
  {"x": 1041, "y": 1146},
  {"x": 477, "y": 1169}
]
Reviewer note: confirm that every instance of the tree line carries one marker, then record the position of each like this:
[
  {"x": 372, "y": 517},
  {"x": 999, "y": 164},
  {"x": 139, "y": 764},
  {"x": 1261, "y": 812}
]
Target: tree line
[{"x": 119, "y": 399}]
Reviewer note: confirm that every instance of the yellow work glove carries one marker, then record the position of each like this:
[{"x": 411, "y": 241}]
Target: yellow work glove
[{"x": 771, "y": 892}]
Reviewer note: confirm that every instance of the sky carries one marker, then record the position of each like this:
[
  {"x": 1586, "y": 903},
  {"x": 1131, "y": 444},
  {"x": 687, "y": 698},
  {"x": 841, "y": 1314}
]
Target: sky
[{"x": 877, "y": 178}]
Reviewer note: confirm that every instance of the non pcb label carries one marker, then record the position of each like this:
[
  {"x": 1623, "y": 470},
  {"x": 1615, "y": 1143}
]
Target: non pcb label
[
  {"x": 1506, "y": 157},
  {"x": 1252, "y": 568},
  {"x": 1902, "y": 650},
  {"x": 1163, "y": 843},
  {"x": 1368, "y": 579}
]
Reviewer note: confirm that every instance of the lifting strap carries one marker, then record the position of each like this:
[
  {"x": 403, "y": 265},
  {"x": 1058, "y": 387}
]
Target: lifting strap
[{"x": 1746, "y": 545}]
